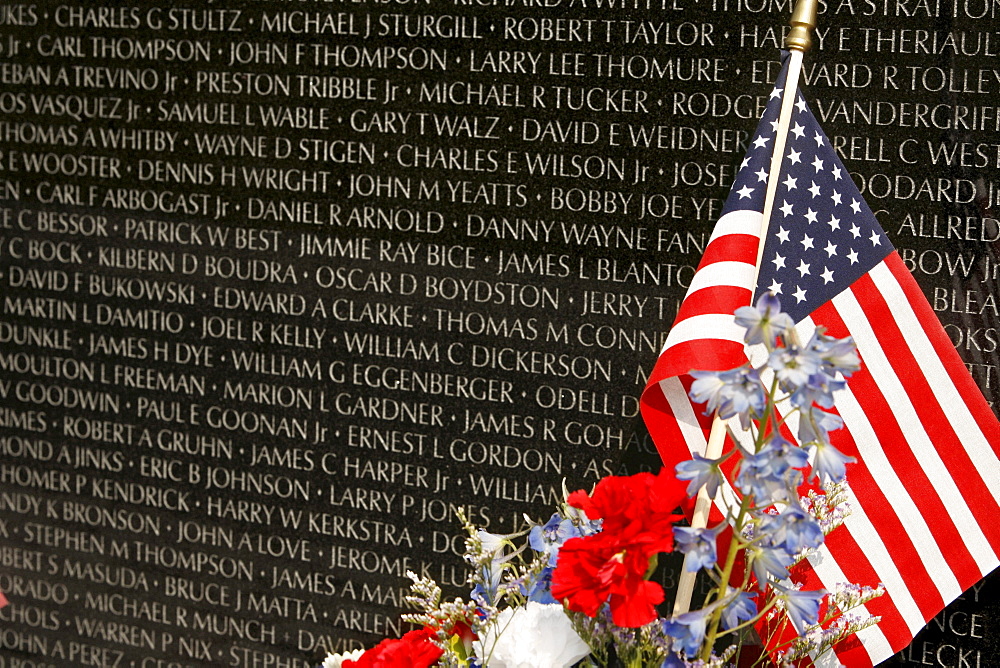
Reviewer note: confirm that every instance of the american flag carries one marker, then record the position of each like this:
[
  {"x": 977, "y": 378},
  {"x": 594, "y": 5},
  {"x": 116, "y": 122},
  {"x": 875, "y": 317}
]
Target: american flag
[{"x": 925, "y": 493}]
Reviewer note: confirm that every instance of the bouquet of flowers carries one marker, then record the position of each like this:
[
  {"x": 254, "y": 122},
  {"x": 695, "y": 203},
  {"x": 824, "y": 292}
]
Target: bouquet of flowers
[{"x": 579, "y": 592}]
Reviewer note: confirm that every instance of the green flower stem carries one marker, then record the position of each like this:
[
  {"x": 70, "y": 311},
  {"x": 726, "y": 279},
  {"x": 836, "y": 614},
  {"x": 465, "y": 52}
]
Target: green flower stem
[
  {"x": 769, "y": 418},
  {"x": 727, "y": 571}
]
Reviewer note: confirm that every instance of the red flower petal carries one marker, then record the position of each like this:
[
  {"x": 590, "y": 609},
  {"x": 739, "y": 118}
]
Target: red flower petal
[
  {"x": 610, "y": 566},
  {"x": 577, "y": 578},
  {"x": 636, "y": 607},
  {"x": 413, "y": 650}
]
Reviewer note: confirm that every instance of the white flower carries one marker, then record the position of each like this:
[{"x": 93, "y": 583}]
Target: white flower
[
  {"x": 537, "y": 635},
  {"x": 336, "y": 660}
]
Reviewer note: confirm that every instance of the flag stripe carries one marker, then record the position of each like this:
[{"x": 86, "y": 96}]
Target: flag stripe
[
  {"x": 896, "y": 473},
  {"x": 722, "y": 327},
  {"x": 864, "y": 532},
  {"x": 891, "y": 516},
  {"x": 665, "y": 432},
  {"x": 687, "y": 421},
  {"x": 905, "y": 391},
  {"x": 833, "y": 572},
  {"x": 736, "y": 246},
  {"x": 725, "y": 274},
  {"x": 944, "y": 350},
  {"x": 712, "y": 302},
  {"x": 696, "y": 439},
  {"x": 888, "y": 548},
  {"x": 740, "y": 221},
  {"x": 968, "y": 435},
  {"x": 918, "y": 494}
]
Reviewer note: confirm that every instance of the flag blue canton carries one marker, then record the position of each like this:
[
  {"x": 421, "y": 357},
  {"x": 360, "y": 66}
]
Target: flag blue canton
[{"x": 822, "y": 236}]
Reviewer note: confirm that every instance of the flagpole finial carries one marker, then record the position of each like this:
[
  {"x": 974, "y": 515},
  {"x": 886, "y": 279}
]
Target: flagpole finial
[{"x": 803, "y": 21}]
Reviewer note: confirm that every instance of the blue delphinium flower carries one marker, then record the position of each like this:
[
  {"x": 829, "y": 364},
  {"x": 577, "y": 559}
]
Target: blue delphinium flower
[
  {"x": 673, "y": 661},
  {"x": 740, "y": 608},
  {"x": 688, "y": 629},
  {"x": 829, "y": 463},
  {"x": 770, "y": 562},
  {"x": 815, "y": 425},
  {"x": 734, "y": 392},
  {"x": 838, "y": 355},
  {"x": 549, "y": 537},
  {"x": 583, "y": 524},
  {"x": 701, "y": 472},
  {"x": 793, "y": 366},
  {"x": 784, "y": 455},
  {"x": 818, "y": 389},
  {"x": 491, "y": 560},
  {"x": 540, "y": 587},
  {"x": 481, "y": 595},
  {"x": 837, "y": 358},
  {"x": 698, "y": 545},
  {"x": 759, "y": 478},
  {"x": 802, "y": 607},
  {"x": 793, "y": 530},
  {"x": 487, "y": 590},
  {"x": 765, "y": 322},
  {"x": 707, "y": 389}
]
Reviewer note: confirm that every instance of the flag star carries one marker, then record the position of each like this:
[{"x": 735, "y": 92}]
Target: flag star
[
  {"x": 836, "y": 173},
  {"x": 774, "y": 125},
  {"x": 746, "y": 161},
  {"x": 811, "y": 216},
  {"x": 786, "y": 208},
  {"x": 761, "y": 175},
  {"x": 779, "y": 262},
  {"x": 834, "y": 223},
  {"x": 827, "y": 275},
  {"x": 800, "y": 295},
  {"x": 819, "y": 139},
  {"x": 856, "y": 206},
  {"x": 800, "y": 104},
  {"x": 745, "y": 192},
  {"x": 790, "y": 182},
  {"x": 782, "y": 235},
  {"x": 814, "y": 189},
  {"x": 818, "y": 164},
  {"x": 761, "y": 142},
  {"x": 776, "y": 93},
  {"x": 853, "y": 256},
  {"x": 875, "y": 239},
  {"x": 837, "y": 199},
  {"x": 855, "y": 230},
  {"x": 803, "y": 268},
  {"x": 830, "y": 249},
  {"x": 775, "y": 287},
  {"x": 799, "y": 131},
  {"x": 795, "y": 157},
  {"x": 807, "y": 242}
]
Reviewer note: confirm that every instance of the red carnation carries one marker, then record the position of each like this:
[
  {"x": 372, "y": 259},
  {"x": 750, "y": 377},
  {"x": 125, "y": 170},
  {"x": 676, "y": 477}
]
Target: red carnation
[
  {"x": 638, "y": 517},
  {"x": 413, "y": 650},
  {"x": 636, "y": 503},
  {"x": 596, "y": 569}
]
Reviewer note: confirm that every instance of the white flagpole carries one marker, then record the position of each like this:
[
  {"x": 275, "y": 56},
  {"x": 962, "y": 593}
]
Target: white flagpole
[{"x": 797, "y": 42}]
